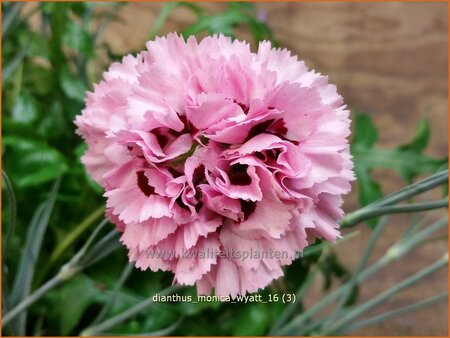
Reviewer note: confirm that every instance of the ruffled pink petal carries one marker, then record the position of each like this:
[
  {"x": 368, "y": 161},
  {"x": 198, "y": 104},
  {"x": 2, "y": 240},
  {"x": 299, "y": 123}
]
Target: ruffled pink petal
[{"x": 197, "y": 261}]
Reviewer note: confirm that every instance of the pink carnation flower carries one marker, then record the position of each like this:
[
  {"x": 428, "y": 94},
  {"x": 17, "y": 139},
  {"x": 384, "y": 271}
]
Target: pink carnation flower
[{"x": 219, "y": 164}]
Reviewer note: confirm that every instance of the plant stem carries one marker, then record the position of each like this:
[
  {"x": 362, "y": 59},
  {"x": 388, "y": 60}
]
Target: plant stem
[
  {"x": 110, "y": 323},
  {"x": 362, "y": 262},
  {"x": 75, "y": 234},
  {"x": 50, "y": 284},
  {"x": 309, "y": 279},
  {"x": 123, "y": 278},
  {"x": 299, "y": 295},
  {"x": 396, "y": 251},
  {"x": 395, "y": 313},
  {"x": 374, "y": 211},
  {"x": 385, "y": 206},
  {"x": 414, "y": 189},
  {"x": 358, "y": 310},
  {"x": 317, "y": 247},
  {"x": 66, "y": 272}
]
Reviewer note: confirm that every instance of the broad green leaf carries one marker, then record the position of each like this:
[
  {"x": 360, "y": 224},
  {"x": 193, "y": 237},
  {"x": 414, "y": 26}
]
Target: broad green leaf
[{"x": 34, "y": 162}]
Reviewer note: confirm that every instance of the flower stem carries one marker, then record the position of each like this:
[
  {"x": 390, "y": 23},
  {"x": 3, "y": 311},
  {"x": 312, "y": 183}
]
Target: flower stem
[
  {"x": 116, "y": 320},
  {"x": 385, "y": 206},
  {"x": 111, "y": 300},
  {"x": 69, "y": 240},
  {"x": 358, "y": 310},
  {"x": 396, "y": 312},
  {"x": 414, "y": 189},
  {"x": 50, "y": 284},
  {"x": 395, "y": 252},
  {"x": 352, "y": 283},
  {"x": 66, "y": 272},
  {"x": 373, "y": 211},
  {"x": 75, "y": 233}
]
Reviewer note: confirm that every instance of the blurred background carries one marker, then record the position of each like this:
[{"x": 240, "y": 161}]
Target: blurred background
[{"x": 388, "y": 60}]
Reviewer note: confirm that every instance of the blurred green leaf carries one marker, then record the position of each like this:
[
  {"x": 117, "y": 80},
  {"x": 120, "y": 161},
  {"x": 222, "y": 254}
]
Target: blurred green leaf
[
  {"x": 53, "y": 124},
  {"x": 365, "y": 134},
  {"x": 37, "y": 74},
  {"x": 77, "y": 39},
  {"x": 72, "y": 86},
  {"x": 12, "y": 65},
  {"x": 227, "y": 21},
  {"x": 72, "y": 299},
  {"x": 25, "y": 110},
  {"x": 332, "y": 267},
  {"x": 245, "y": 6},
  {"x": 369, "y": 190},
  {"x": 34, "y": 162},
  {"x": 192, "y": 309},
  {"x": 421, "y": 137},
  {"x": 36, "y": 43},
  {"x": 251, "y": 321}
]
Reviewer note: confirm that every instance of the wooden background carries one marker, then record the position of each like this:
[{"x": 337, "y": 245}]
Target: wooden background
[{"x": 387, "y": 59}]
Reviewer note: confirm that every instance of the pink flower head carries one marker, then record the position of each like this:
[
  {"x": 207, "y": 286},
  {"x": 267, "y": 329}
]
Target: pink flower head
[{"x": 219, "y": 164}]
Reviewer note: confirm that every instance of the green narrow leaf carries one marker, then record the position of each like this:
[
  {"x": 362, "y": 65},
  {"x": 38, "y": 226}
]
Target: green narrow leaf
[
  {"x": 22, "y": 284},
  {"x": 6, "y": 182}
]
